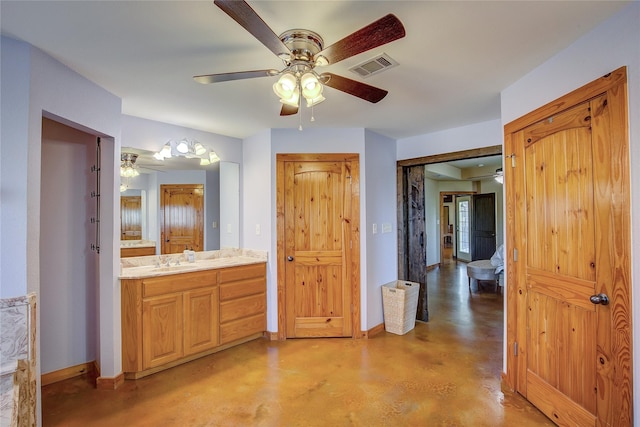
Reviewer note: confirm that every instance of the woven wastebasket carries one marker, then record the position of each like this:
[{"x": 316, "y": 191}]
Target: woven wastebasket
[{"x": 400, "y": 303}]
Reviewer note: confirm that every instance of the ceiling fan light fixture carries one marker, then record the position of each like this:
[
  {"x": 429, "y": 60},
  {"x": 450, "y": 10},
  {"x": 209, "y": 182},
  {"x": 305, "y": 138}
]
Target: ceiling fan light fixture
[
  {"x": 128, "y": 167},
  {"x": 499, "y": 176},
  {"x": 285, "y": 86}
]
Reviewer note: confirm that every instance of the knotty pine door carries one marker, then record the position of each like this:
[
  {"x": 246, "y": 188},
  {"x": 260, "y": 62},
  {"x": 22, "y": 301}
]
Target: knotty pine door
[
  {"x": 570, "y": 236},
  {"x": 318, "y": 274}
]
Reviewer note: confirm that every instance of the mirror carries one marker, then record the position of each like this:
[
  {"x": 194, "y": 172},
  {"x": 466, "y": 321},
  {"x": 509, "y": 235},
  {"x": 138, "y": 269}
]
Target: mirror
[{"x": 221, "y": 182}]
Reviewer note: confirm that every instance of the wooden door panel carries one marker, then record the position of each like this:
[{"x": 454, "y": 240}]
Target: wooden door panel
[
  {"x": 162, "y": 334},
  {"x": 316, "y": 204},
  {"x": 560, "y": 220},
  {"x": 201, "y": 320},
  {"x": 561, "y": 320}
]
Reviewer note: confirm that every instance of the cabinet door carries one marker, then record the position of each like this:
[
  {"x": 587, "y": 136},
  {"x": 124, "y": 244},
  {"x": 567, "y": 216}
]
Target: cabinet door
[
  {"x": 200, "y": 320},
  {"x": 162, "y": 333}
]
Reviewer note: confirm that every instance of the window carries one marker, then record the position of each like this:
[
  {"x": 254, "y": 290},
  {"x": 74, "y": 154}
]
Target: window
[{"x": 463, "y": 226}]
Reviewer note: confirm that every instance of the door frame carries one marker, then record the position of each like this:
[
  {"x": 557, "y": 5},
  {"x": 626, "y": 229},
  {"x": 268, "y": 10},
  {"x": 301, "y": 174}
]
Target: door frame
[
  {"x": 352, "y": 253},
  {"x": 401, "y": 176},
  {"x": 615, "y": 361}
]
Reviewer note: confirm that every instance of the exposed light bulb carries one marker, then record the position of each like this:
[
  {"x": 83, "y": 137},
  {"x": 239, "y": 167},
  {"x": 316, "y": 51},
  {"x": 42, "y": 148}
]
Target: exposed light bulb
[{"x": 182, "y": 147}]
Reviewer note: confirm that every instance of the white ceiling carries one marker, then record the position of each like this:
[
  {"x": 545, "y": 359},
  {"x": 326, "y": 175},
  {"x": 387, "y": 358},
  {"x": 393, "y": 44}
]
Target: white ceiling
[{"x": 456, "y": 58}]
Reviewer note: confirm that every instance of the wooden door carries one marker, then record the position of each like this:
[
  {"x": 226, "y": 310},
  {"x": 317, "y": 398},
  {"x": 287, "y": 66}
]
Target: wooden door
[
  {"x": 162, "y": 330},
  {"x": 416, "y": 238},
  {"x": 569, "y": 192},
  {"x": 483, "y": 226},
  {"x": 130, "y": 217},
  {"x": 318, "y": 245},
  {"x": 182, "y": 217}
]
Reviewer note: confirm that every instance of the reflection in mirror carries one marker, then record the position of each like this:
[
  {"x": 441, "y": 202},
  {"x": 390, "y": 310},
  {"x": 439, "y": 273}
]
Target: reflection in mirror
[
  {"x": 221, "y": 197},
  {"x": 131, "y": 215}
]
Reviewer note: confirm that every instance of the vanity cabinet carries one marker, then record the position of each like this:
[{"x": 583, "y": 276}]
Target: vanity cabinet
[
  {"x": 175, "y": 318},
  {"x": 243, "y": 302}
]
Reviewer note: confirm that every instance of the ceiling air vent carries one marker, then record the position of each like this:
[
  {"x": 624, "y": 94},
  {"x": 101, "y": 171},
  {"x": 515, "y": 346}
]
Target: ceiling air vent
[{"x": 374, "y": 66}]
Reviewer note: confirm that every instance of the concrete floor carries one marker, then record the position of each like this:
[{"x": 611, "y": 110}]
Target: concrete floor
[{"x": 443, "y": 373}]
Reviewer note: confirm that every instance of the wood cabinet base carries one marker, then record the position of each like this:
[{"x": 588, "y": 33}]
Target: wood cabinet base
[{"x": 147, "y": 372}]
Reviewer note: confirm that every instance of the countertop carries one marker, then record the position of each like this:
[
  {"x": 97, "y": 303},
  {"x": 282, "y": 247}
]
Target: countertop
[
  {"x": 137, "y": 244},
  {"x": 147, "y": 266}
]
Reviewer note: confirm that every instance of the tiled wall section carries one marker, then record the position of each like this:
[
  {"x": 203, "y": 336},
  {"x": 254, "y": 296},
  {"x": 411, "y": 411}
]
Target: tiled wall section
[{"x": 17, "y": 361}]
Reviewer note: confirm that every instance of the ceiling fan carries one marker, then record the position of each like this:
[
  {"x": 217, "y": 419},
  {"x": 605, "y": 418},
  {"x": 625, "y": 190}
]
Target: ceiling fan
[{"x": 302, "y": 51}]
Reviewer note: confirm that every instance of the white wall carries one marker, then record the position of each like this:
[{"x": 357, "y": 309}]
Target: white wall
[
  {"x": 258, "y": 210},
  {"x": 381, "y": 249},
  {"x": 33, "y": 85},
  {"x": 477, "y": 135},
  {"x": 68, "y": 265},
  {"x": 432, "y": 219},
  {"x": 230, "y": 201},
  {"x": 609, "y": 46}
]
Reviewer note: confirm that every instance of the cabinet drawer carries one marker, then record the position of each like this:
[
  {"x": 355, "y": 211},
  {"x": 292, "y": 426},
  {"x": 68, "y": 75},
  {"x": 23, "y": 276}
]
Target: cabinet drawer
[
  {"x": 244, "y": 272},
  {"x": 242, "y": 328},
  {"x": 243, "y": 307},
  {"x": 153, "y": 286},
  {"x": 243, "y": 288}
]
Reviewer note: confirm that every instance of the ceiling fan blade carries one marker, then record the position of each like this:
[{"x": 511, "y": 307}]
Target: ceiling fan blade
[
  {"x": 288, "y": 110},
  {"x": 244, "y": 15},
  {"x": 238, "y": 75},
  {"x": 384, "y": 30},
  {"x": 355, "y": 88}
]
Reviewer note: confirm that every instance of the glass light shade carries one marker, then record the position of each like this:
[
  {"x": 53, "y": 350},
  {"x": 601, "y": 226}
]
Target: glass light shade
[
  {"x": 213, "y": 157},
  {"x": 292, "y": 100},
  {"x": 182, "y": 147},
  {"x": 123, "y": 188},
  {"x": 166, "y": 151},
  {"x": 199, "y": 149},
  {"x": 499, "y": 178},
  {"x": 204, "y": 162},
  {"x": 311, "y": 87},
  {"x": 158, "y": 156},
  {"x": 285, "y": 86},
  {"x": 315, "y": 101}
]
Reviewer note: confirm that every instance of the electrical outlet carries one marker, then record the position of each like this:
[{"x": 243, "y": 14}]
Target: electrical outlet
[
  {"x": 215, "y": 224},
  {"x": 257, "y": 229},
  {"x": 386, "y": 227},
  {"x": 375, "y": 228},
  {"x": 229, "y": 228}
]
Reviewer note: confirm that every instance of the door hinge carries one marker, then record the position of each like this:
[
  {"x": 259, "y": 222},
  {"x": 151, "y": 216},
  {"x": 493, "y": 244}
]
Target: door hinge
[
  {"x": 515, "y": 348},
  {"x": 515, "y": 255},
  {"x": 512, "y": 156}
]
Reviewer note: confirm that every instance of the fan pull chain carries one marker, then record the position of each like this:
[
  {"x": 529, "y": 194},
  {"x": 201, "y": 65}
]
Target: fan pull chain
[
  {"x": 300, "y": 118},
  {"x": 313, "y": 119}
]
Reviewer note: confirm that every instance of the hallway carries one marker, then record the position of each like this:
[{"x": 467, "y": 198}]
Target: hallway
[{"x": 443, "y": 373}]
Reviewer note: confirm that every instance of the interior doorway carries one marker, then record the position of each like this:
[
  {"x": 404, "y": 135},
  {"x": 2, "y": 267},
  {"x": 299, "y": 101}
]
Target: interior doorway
[{"x": 69, "y": 260}]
